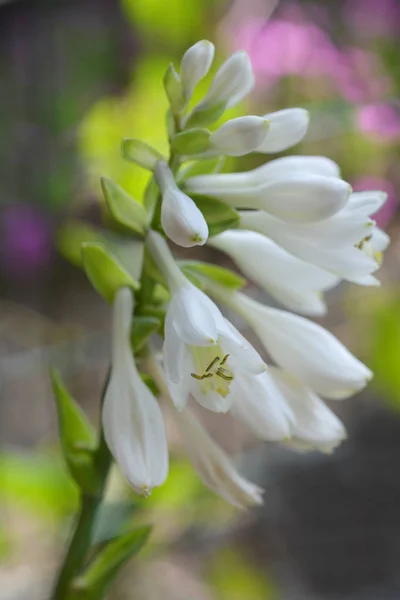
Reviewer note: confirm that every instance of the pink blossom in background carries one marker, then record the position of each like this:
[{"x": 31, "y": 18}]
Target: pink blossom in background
[
  {"x": 379, "y": 121},
  {"x": 370, "y": 182},
  {"x": 25, "y": 242},
  {"x": 373, "y": 18}
]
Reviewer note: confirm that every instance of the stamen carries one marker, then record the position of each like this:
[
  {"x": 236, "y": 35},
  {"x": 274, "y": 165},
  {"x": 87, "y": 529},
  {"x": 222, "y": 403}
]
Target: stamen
[
  {"x": 223, "y": 361},
  {"x": 222, "y": 373},
  {"x": 204, "y": 376},
  {"x": 212, "y": 363}
]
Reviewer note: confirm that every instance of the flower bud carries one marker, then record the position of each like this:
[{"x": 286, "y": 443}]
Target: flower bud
[
  {"x": 287, "y": 128},
  {"x": 196, "y": 63},
  {"x": 240, "y": 136},
  {"x": 181, "y": 220}
]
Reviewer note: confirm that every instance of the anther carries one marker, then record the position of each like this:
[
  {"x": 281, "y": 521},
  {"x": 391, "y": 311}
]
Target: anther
[{"x": 212, "y": 363}]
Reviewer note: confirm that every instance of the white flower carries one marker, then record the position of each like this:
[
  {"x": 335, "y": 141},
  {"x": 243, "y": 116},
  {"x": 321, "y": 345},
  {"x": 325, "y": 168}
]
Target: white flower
[
  {"x": 214, "y": 466},
  {"x": 293, "y": 282},
  {"x": 314, "y": 425},
  {"x": 203, "y": 352},
  {"x": 299, "y": 197},
  {"x": 239, "y": 136},
  {"x": 336, "y": 244},
  {"x": 195, "y": 64},
  {"x": 287, "y": 128},
  {"x": 305, "y": 349},
  {"x": 232, "y": 82},
  {"x": 132, "y": 420},
  {"x": 181, "y": 220}
]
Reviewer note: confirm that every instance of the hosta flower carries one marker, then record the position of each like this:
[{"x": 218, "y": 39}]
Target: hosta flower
[
  {"x": 304, "y": 349},
  {"x": 214, "y": 466},
  {"x": 299, "y": 197},
  {"x": 195, "y": 64},
  {"x": 203, "y": 352},
  {"x": 287, "y": 128},
  {"x": 181, "y": 220},
  {"x": 290, "y": 280},
  {"x": 239, "y": 136},
  {"x": 338, "y": 244},
  {"x": 132, "y": 420}
]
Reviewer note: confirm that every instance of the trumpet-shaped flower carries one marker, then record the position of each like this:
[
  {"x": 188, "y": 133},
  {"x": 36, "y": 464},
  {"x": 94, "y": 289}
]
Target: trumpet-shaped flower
[
  {"x": 214, "y": 466},
  {"x": 203, "y": 352},
  {"x": 239, "y": 136},
  {"x": 287, "y": 128},
  {"x": 132, "y": 420},
  {"x": 195, "y": 64},
  {"x": 290, "y": 280},
  {"x": 304, "y": 349},
  {"x": 337, "y": 244},
  {"x": 182, "y": 221}
]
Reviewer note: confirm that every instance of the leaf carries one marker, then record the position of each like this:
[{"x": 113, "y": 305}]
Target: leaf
[
  {"x": 103, "y": 569},
  {"x": 124, "y": 208},
  {"x": 221, "y": 275},
  {"x": 77, "y": 436},
  {"x": 201, "y": 167},
  {"x": 111, "y": 520},
  {"x": 192, "y": 141},
  {"x": 173, "y": 89},
  {"x": 141, "y": 153},
  {"x": 104, "y": 271},
  {"x": 143, "y": 327},
  {"x": 219, "y": 216},
  {"x": 70, "y": 238}
]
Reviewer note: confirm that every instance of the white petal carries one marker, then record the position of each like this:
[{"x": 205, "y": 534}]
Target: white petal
[
  {"x": 306, "y": 350},
  {"x": 194, "y": 316},
  {"x": 179, "y": 390},
  {"x": 173, "y": 351},
  {"x": 262, "y": 408},
  {"x": 315, "y": 426},
  {"x": 211, "y": 400},
  {"x": 181, "y": 220},
  {"x": 244, "y": 356},
  {"x": 369, "y": 202},
  {"x": 239, "y": 136},
  {"x": 196, "y": 63},
  {"x": 379, "y": 240},
  {"x": 213, "y": 465},
  {"x": 287, "y": 128},
  {"x": 232, "y": 82}
]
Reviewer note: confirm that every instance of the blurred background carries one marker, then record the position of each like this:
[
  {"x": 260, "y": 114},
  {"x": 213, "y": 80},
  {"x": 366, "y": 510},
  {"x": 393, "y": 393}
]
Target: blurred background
[{"x": 76, "y": 77}]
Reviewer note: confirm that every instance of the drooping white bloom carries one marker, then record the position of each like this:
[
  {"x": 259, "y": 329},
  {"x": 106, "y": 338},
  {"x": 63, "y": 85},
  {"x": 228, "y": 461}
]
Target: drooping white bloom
[
  {"x": 195, "y": 64},
  {"x": 293, "y": 282},
  {"x": 336, "y": 244},
  {"x": 132, "y": 420},
  {"x": 304, "y": 349},
  {"x": 203, "y": 352},
  {"x": 287, "y": 128},
  {"x": 181, "y": 220},
  {"x": 232, "y": 82},
  {"x": 239, "y": 136},
  {"x": 214, "y": 466},
  {"x": 314, "y": 425},
  {"x": 298, "y": 198}
]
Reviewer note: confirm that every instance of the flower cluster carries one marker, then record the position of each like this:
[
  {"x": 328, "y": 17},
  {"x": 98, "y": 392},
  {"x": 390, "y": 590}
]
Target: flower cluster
[{"x": 292, "y": 226}]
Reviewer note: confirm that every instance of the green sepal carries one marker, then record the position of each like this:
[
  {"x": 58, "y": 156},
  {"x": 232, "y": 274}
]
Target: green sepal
[
  {"x": 150, "y": 198},
  {"x": 221, "y": 275},
  {"x": 204, "y": 116},
  {"x": 191, "y": 141},
  {"x": 142, "y": 328},
  {"x": 111, "y": 520},
  {"x": 219, "y": 216},
  {"x": 207, "y": 166},
  {"x": 141, "y": 153},
  {"x": 125, "y": 209},
  {"x": 105, "y": 271},
  {"x": 70, "y": 238},
  {"x": 173, "y": 89},
  {"x": 101, "y": 572},
  {"x": 151, "y": 384},
  {"x": 77, "y": 437},
  {"x": 193, "y": 278}
]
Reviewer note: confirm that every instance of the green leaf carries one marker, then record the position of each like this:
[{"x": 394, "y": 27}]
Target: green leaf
[
  {"x": 219, "y": 216},
  {"x": 204, "y": 116},
  {"x": 100, "y": 573},
  {"x": 221, "y": 275},
  {"x": 125, "y": 209},
  {"x": 70, "y": 238},
  {"x": 141, "y": 153},
  {"x": 201, "y": 167},
  {"x": 192, "y": 141},
  {"x": 104, "y": 271},
  {"x": 143, "y": 327},
  {"x": 77, "y": 437},
  {"x": 173, "y": 89},
  {"x": 111, "y": 520}
]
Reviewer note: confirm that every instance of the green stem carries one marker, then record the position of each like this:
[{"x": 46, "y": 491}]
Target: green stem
[{"x": 89, "y": 505}]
